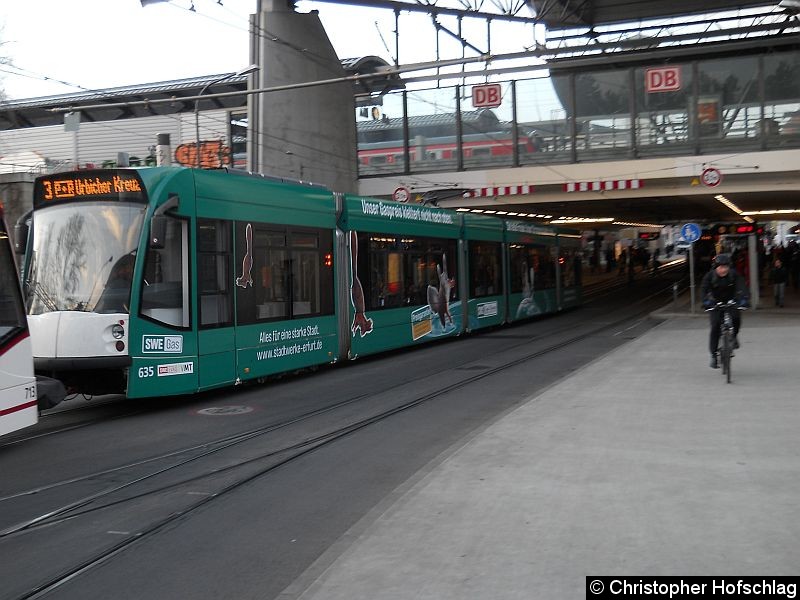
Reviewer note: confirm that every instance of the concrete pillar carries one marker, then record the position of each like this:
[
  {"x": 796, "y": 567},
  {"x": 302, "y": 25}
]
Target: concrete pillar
[
  {"x": 752, "y": 257},
  {"x": 163, "y": 150},
  {"x": 307, "y": 133}
]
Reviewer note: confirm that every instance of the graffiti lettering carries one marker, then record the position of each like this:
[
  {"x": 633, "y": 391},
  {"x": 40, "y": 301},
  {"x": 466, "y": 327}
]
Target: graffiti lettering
[{"x": 213, "y": 154}]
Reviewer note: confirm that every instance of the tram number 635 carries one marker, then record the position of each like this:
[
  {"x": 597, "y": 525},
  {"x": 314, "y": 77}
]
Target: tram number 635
[{"x": 145, "y": 372}]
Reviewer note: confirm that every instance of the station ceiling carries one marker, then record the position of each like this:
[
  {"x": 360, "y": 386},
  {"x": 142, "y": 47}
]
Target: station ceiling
[
  {"x": 667, "y": 206},
  {"x": 663, "y": 210}
]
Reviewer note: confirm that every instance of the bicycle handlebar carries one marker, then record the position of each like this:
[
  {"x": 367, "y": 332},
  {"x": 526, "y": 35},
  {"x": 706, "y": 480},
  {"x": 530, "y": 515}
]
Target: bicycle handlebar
[{"x": 728, "y": 304}]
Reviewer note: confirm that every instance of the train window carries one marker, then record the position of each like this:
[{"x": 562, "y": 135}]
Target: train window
[
  {"x": 165, "y": 285},
  {"x": 291, "y": 273},
  {"x": 214, "y": 272},
  {"x": 532, "y": 268},
  {"x": 485, "y": 267}
]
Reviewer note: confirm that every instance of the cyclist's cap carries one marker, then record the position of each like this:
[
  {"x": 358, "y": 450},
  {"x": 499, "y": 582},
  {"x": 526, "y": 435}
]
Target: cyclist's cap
[{"x": 722, "y": 259}]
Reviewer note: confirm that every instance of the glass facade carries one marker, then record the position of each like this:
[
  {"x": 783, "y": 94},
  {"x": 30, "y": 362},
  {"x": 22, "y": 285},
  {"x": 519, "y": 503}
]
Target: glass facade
[
  {"x": 741, "y": 103},
  {"x": 781, "y": 77},
  {"x": 542, "y": 117},
  {"x": 603, "y": 116},
  {"x": 662, "y": 109}
]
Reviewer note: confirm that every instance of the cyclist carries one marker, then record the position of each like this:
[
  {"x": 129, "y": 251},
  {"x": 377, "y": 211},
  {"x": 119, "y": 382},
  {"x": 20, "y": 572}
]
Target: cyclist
[{"x": 722, "y": 284}]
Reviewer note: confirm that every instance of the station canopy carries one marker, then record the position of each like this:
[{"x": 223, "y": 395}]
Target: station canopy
[
  {"x": 39, "y": 112},
  {"x": 562, "y": 14}
]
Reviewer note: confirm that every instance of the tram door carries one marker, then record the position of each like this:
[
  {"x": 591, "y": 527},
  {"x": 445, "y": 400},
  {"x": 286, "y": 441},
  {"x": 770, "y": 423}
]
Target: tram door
[
  {"x": 163, "y": 343},
  {"x": 215, "y": 279}
]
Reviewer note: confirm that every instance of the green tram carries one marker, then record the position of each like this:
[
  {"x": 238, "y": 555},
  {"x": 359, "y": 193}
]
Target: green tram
[{"x": 163, "y": 281}]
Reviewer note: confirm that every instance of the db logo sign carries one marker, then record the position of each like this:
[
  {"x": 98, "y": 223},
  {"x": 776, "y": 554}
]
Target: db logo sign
[
  {"x": 663, "y": 79},
  {"x": 487, "y": 96}
]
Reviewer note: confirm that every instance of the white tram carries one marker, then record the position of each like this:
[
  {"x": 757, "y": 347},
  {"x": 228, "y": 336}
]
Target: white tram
[{"x": 18, "y": 397}]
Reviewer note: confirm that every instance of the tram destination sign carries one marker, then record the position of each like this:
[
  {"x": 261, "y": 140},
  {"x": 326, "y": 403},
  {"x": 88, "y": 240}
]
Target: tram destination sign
[{"x": 89, "y": 185}]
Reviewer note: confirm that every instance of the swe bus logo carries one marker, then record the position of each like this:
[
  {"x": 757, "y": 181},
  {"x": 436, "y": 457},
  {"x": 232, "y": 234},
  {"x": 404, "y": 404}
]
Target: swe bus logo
[{"x": 152, "y": 344}]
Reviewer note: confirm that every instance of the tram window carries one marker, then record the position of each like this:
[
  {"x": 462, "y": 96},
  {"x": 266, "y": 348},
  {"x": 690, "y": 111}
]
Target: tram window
[
  {"x": 305, "y": 240},
  {"x": 213, "y": 266},
  {"x": 312, "y": 274},
  {"x": 261, "y": 277},
  {"x": 485, "y": 266},
  {"x": 570, "y": 265},
  {"x": 290, "y": 276},
  {"x": 165, "y": 285},
  {"x": 441, "y": 256},
  {"x": 397, "y": 271},
  {"x": 415, "y": 284},
  {"x": 532, "y": 266},
  {"x": 12, "y": 314}
]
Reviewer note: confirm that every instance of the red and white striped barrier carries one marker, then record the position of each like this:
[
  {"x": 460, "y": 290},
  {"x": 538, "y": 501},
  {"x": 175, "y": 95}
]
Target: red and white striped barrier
[
  {"x": 599, "y": 186},
  {"x": 508, "y": 190}
]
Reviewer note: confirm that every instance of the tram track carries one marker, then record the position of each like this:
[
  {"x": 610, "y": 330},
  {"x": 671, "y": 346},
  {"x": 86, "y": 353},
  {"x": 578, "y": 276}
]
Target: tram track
[
  {"x": 267, "y": 462},
  {"x": 72, "y": 427}
]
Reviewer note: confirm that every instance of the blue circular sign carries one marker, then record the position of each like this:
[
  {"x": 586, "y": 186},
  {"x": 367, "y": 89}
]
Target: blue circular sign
[{"x": 691, "y": 232}]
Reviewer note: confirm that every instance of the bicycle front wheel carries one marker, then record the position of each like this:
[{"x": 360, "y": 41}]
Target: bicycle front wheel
[{"x": 727, "y": 350}]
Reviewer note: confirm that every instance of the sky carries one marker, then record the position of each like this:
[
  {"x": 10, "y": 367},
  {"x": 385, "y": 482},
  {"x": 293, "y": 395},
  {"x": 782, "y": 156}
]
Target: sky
[{"x": 62, "y": 46}]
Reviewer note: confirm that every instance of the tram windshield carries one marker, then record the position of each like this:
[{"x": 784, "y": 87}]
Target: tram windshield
[
  {"x": 12, "y": 317},
  {"x": 82, "y": 257}
]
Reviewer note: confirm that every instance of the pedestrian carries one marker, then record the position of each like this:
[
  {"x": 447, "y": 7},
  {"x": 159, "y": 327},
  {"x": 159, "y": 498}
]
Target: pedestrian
[
  {"x": 655, "y": 265},
  {"x": 779, "y": 275}
]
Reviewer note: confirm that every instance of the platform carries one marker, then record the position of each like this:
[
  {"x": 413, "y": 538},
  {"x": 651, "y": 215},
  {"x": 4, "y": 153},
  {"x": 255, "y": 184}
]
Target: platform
[{"x": 644, "y": 462}]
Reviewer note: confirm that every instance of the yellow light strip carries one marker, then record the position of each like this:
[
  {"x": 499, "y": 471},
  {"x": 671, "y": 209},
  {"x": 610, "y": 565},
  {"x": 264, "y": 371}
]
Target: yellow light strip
[
  {"x": 571, "y": 220},
  {"x": 628, "y": 224},
  {"x": 729, "y": 204},
  {"x": 784, "y": 211}
]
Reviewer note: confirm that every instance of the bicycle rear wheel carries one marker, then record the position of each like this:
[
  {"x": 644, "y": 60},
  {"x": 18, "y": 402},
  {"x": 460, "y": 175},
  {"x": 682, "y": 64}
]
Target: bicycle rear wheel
[{"x": 725, "y": 354}]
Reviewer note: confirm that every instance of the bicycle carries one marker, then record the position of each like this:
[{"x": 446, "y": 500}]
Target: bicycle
[{"x": 726, "y": 335}]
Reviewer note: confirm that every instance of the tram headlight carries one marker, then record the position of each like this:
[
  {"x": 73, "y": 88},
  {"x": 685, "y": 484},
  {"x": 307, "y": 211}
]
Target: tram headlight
[{"x": 118, "y": 331}]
